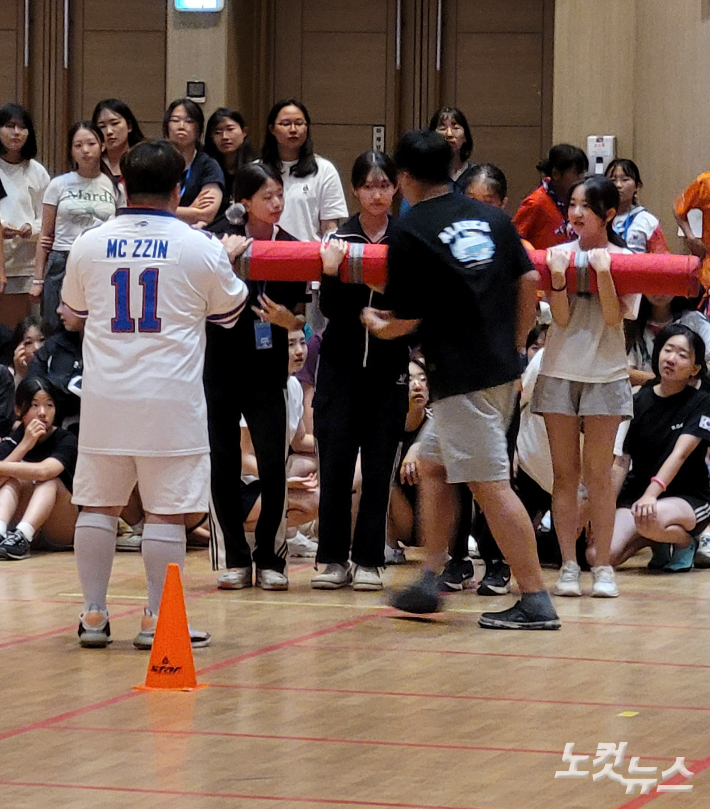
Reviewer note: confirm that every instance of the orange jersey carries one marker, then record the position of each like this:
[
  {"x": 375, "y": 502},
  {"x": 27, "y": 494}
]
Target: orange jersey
[
  {"x": 539, "y": 220},
  {"x": 697, "y": 195}
]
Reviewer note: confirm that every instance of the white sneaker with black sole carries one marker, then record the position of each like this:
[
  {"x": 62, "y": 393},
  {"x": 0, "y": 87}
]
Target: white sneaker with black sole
[
  {"x": 144, "y": 639},
  {"x": 94, "y": 628}
]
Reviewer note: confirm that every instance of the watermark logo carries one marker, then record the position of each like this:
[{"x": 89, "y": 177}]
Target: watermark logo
[{"x": 610, "y": 755}]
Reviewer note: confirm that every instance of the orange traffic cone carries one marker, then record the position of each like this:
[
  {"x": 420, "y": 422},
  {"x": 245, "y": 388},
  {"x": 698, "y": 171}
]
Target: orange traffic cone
[{"x": 171, "y": 667}]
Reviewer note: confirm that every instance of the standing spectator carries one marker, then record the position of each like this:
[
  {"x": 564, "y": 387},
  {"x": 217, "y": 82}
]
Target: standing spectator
[
  {"x": 227, "y": 142},
  {"x": 23, "y": 182},
  {"x": 121, "y": 131},
  {"x": 73, "y": 202},
  {"x": 541, "y": 218},
  {"x": 639, "y": 228},
  {"x": 202, "y": 182}
]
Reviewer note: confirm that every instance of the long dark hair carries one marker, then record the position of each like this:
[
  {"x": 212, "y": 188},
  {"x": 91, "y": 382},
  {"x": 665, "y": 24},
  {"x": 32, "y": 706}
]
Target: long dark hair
[
  {"x": 250, "y": 178},
  {"x": 193, "y": 110},
  {"x": 306, "y": 164},
  {"x": 21, "y": 329},
  {"x": 629, "y": 168},
  {"x": 245, "y": 153},
  {"x": 601, "y": 195},
  {"x": 695, "y": 341},
  {"x": 88, "y": 125},
  {"x": 634, "y": 329},
  {"x": 28, "y": 388},
  {"x": 370, "y": 160},
  {"x": 456, "y": 115},
  {"x": 135, "y": 135},
  {"x": 7, "y": 113}
]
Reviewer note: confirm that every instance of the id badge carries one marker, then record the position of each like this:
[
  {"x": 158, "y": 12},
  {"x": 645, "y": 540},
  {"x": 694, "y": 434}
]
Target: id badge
[{"x": 262, "y": 335}]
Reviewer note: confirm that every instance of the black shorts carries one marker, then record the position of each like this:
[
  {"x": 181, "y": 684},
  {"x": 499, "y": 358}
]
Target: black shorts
[
  {"x": 700, "y": 507},
  {"x": 250, "y": 492}
]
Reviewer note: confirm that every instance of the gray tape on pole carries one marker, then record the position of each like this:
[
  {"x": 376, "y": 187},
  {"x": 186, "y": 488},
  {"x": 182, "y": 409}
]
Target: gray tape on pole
[
  {"x": 355, "y": 254},
  {"x": 581, "y": 262},
  {"x": 244, "y": 264}
]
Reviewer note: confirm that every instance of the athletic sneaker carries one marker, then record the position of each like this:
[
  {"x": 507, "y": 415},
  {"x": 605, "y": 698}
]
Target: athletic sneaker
[
  {"x": 129, "y": 542},
  {"x": 94, "y": 628},
  {"x": 702, "y": 555},
  {"x": 394, "y": 556},
  {"x": 237, "y": 578},
  {"x": 15, "y": 546},
  {"x": 421, "y": 598},
  {"x": 366, "y": 578},
  {"x": 568, "y": 581},
  {"x": 271, "y": 579},
  {"x": 333, "y": 577},
  {"x": 496, "y": 582},
  {"x": 519, "y": 616},
  {"x": 604, "y": 582},
  {"x": 457, "y": 575},
  {"x": 144, "y": 639},
  {"x": 473, "y": 550},
  {"x": 660, "y": 557},
  {"x": 301, "y": 545}
]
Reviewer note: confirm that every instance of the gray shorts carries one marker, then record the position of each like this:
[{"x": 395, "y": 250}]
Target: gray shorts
[
  {"x": 568, "y": 398},
  {"x": 467, "y": 434}
]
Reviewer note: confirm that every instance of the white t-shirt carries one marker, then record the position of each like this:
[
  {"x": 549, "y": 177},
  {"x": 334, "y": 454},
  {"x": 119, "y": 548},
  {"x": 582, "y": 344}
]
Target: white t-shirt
[
  {"x": 639, "y": 228},
  {"x": 146, "y": 283},
  {"x": 294, "y": 406},
  {"x": 532, "y": 445},
  {"x": 24, "y": 184},
  {"x": 308, "y": 200},
  {"x": 588, "y": 350},
  {"x": 80, "y": 204}
]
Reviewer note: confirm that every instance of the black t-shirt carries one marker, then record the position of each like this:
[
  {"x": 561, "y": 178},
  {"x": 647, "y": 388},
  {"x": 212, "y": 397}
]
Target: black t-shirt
[
  {"x": 61, "y": 444},
  {"x": 202, "y": 171},
  {"x": 344, "y": 342},
  {"x": 235, "y": 348},
  {"x": 656, "y": 426},
  {"x": 454, "y": 263}
]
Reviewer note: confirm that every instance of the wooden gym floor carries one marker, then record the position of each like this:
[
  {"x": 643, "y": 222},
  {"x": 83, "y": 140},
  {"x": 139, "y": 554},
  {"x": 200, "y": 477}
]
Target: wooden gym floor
[{"x": 324, "y": 699}]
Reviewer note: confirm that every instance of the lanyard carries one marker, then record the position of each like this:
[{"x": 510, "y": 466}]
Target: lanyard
[
  {"x": 623, "y": 229},
  {"x": 183, "y": 184}
]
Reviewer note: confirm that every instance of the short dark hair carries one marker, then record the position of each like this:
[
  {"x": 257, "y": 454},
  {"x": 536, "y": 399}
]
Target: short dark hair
[
  {"x": 250, "y": 178},
  {"x": 193, "y": 110},
  {"x": 245, "y": 153},
  {"x": 7, "y": 113},
  {"x": 493, "y": 177},
  {"x": 368, "y": 161},
  {"x": 425, "y": 155},
  {"x": 135, "y": 135},
  {"x": 458, "y": 117},
  {"x": 28, "y": 388},
  {"x": 564, "y": 156},
  {"x": 152, "y": 168},
  {"x": 306, "y": 164},
  {"x": 695, "y": 341}
]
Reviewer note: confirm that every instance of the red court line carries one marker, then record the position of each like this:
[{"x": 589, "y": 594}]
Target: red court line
[
  {"x": 642, "y": 800},
  {"x": 637, "y": 626},
  {"x": 398, "y": 650},
  {"x": 230, "y": 796},
  {"x": 628, "y": 705},
  {"x": 279, "y": 737}
]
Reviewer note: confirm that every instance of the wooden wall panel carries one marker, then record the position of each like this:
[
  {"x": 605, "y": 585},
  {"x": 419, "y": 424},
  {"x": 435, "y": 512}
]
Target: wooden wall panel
[
  {"x": 345, "y": 15},
  {"x": 516, "y": 150},
  {"x": 8, "y": 65},
  {"x": 500, "y": 15},
  {"x": 126, "y": 15}
]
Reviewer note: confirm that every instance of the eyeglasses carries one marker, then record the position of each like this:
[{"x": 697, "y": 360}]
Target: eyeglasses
[
  {"x": 288, "y": 124},
  {"x": 445, "y": 128}
]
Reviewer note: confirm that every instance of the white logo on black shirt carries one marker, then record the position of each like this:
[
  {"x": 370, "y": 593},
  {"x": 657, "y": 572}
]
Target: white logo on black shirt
[
  {"x": 678, "y": 426},
  {"x": 469, "y": 241},
  {"x": 705, "y": 422}
]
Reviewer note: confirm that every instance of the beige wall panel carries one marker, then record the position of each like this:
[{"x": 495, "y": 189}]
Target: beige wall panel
[
  {"x": 345, "y": 15},
  {"x": 594, "y": 70},
  {"x": 126, "y": 15},
  {"x": 288, "y": 49},
  {"x": 672, "y": 114},
  {"x": 135, "y": 72},
  {"x": 500, "y": 15},
  {"x": 499, "y": 78},
  {"x": 342, "y": 144},
  {"x": 8, "y": 65},
  {"x": 514, "y": 149},
  {"x": 344, "y": 77}
]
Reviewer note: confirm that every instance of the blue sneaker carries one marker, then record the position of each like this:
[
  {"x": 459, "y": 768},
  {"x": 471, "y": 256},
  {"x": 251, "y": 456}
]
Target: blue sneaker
[{"x": 682, "y": 558}]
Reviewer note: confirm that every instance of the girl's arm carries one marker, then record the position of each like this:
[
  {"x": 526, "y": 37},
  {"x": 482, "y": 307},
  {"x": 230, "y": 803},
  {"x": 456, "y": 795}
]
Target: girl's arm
[
  {"x": 49, "y": 222},
  {"x": 205, "y": 206},
  {"x": 33, "y": 432},
  {"x": 303, "y": 441},
  {"x": 558, "y": 261},
  {"x": 612, "y": 310},
  {"x": 645, "y": 506},
  {"x": 48, "y": 469},
  {"x": 278, "y": 314},
  {"x": 695, "y": 245}
]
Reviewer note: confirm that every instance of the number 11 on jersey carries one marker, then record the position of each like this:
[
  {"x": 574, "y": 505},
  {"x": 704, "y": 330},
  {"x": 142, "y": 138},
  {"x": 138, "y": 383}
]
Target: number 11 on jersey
[{"x": 122, "y": 322}]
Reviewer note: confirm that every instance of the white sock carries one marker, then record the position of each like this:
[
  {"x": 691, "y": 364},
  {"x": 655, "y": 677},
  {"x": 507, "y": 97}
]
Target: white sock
[
  {"x": 3, "y": 528},
  {"x": 27, "y": 530},
  {"x": 94, "y": 547},
  {"x": 162, "y": 545}
]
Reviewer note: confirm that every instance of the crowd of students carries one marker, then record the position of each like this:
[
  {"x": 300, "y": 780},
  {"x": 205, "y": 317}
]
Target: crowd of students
[{"x": 319, "y": 424}]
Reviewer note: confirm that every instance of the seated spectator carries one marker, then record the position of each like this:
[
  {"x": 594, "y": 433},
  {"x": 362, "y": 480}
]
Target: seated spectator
[
  {"x": 665, "y": 499},
  {"x": 639, "y": 228},
  {"x": 36, "y": 473},
  {"x": 27, "y": 339}
]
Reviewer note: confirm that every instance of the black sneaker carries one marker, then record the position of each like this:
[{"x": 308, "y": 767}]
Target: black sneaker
[
  {"x": 496, "y": 582},
  {"x": 517, "y": 617},
  {"x": 15, "y": 546},
  {"x": 457, "y": 575},
  {"x": 420, "y": 598}
]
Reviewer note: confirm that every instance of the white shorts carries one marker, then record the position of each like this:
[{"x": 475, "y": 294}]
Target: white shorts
[{"x": 168, "y": 484}]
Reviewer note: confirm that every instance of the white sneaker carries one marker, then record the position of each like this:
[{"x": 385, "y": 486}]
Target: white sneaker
[
  {"x": 473, "y": 551},
  {"x": 366, "y": 578},
  {"x": 235, "y": 579},
  {"x": 94, "y": 628},
  {"x": 271, "y": 580},
  {"x": 129, "y": 542},
  {"x": 394, "y": 556},
  {"x": 333, "y": 577},
  {"x": 568, "y": 581},
  {"x": 199, "y": 639},
  {"x": 604, "y": 582},
  {"x": 702, "y": 555},
  {"x": 302, "y": 546}
]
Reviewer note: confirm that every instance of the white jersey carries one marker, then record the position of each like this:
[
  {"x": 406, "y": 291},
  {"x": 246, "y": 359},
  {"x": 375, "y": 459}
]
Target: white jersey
[{"x": 146, "y": 283}]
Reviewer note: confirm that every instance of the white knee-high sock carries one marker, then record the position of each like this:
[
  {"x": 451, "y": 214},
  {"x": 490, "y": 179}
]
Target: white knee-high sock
[
  {"x": 94, "y": 547},
  {"x": 162, "y": 545}
]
